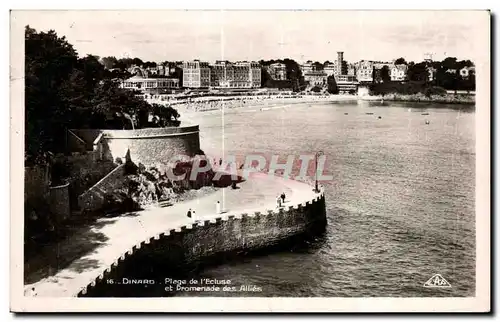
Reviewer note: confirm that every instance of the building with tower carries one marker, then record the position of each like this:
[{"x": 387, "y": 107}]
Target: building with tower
[{"x": 340, "y": 64}]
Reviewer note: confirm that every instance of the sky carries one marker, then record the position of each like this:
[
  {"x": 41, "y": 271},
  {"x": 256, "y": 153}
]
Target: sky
[{"x": 164, "y": 35}]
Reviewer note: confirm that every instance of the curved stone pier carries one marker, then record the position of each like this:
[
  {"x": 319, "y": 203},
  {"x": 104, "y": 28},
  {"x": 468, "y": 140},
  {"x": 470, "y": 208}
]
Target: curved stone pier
[{"x": 250, "y": 220}]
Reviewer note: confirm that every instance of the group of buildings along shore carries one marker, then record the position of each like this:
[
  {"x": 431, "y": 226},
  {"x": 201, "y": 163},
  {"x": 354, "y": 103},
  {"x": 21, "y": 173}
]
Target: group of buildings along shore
[{"x": 244, "y": 75}]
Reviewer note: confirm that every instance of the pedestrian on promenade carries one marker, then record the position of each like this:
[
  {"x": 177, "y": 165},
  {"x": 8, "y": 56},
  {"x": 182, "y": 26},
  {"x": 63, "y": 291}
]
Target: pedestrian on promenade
[
  {"x": 217, "y": 207},
  {"x": 283, "y": 197},
  {"x": 278, "y": 201},
  {"x": 194, "y": 215},
  {"x": 189, "y": 214}
]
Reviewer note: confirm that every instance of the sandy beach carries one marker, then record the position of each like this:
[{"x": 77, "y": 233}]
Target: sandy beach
[{"x": 211, "y": 103}]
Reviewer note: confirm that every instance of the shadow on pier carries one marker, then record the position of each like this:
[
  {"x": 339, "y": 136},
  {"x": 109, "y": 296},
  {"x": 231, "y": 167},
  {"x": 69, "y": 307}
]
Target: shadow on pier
[{"x": 45, "y": 257}]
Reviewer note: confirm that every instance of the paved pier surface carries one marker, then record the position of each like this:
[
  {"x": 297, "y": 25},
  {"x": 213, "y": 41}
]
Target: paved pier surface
[{"x": 67, "y": 267}]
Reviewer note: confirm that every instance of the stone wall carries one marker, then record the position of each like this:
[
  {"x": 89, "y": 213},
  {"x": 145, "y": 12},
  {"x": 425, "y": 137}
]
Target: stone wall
[
  {"x": 218, "y": 236},
  {"x": 38, "y": 193},
  {"x": 36, "y": 184},
  {"x": 151, "y": 146},
  {"x": 155, "y": 146},
  {"x": 94, "y": 197},
  {"x": 85, "y": 169},
  {"x": 59, "y": 202}
]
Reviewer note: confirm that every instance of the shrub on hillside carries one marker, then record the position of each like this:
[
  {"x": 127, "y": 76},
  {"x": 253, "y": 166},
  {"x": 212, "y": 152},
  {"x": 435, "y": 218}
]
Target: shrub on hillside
[
  {"x": 60, "y": 172},
  {"x": 38, "y": 220},
  {"x": 316, "y": 89},
  {"x": 142, "y": 185},
  {"x": 434, "y": 90},
  {"x": 406, "y": 88}
]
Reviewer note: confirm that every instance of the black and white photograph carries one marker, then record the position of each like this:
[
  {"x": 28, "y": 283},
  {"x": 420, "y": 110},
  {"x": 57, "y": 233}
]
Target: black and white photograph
[{"x": 254, "y": 156}]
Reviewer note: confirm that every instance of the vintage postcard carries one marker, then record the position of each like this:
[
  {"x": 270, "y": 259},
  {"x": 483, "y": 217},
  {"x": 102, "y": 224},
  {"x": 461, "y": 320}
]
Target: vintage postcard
[{"x": 250, "y": 161}]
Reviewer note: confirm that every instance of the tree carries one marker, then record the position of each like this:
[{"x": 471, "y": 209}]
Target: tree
[
  {"x": 385, "y": 75},
  {"x": 137, "y": 61},
  {"x": 293, "y": 74},
  {"x": 109, "y": 62},
  {"x": 466, "y": 63},
  {"x": 149, "y": 64},
  {"x": 332, "y": 85},
  {"x": 118, "y": 74},
  {"x": 447, "y": 79},
  {"x": 49, "y": 63},
  {"x": 449, "y": 63},
  {"x": 469, "y": 84},
  {"x": 263, "y": 62},
  {"x": 265, "y": 77},
  {"x": 92, "y": 70},
  {"x": 178, "y": 74},
  {"x": 166, "y": 115},
  {"x": 124, "y": 63},
  {"x": 456, "y": 80},
  {"x": 448, "y": 74},
  {"x": 318, "y": 66},
  {"x": 418, "y": 72},
  {"x": 64, "y": 92},
  {"x": 400, "y": 61}
]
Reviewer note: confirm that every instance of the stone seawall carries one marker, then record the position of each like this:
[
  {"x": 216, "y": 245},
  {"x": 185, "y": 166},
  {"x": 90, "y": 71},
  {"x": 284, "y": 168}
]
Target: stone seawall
[{"x": 221, "y": 234}]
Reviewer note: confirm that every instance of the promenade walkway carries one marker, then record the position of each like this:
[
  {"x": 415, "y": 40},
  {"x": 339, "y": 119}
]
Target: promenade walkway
[{"x": 65, "y": 268}]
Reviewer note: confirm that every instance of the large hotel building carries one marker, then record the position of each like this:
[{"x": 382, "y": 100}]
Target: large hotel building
[
  {"x": 221, "y": 74},
  {"x": 195, "y": 74}
]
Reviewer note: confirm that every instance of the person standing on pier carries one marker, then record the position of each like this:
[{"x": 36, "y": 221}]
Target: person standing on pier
[
  {"x": 189, "y": 214},
  {"x": 278, "y": 201},
  {"x": 217, "y": 207},
  {"x": 283, "y": 197}
]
